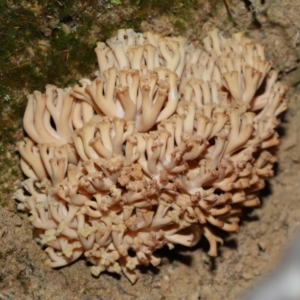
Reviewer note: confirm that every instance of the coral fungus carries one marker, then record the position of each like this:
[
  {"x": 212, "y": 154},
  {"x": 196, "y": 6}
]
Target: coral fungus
[{"x": 167, "y": 143}]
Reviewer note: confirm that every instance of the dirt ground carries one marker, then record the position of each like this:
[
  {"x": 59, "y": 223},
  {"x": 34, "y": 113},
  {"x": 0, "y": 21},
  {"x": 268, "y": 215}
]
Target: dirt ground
[{"x": 247, "y": 256}]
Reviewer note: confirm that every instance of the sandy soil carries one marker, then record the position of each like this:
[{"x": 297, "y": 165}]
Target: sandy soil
[{"x": 187, "y": 273}]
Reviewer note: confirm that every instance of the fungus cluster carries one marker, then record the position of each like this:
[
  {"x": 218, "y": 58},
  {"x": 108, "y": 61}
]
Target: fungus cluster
[{"x": 168, "y": 142}]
